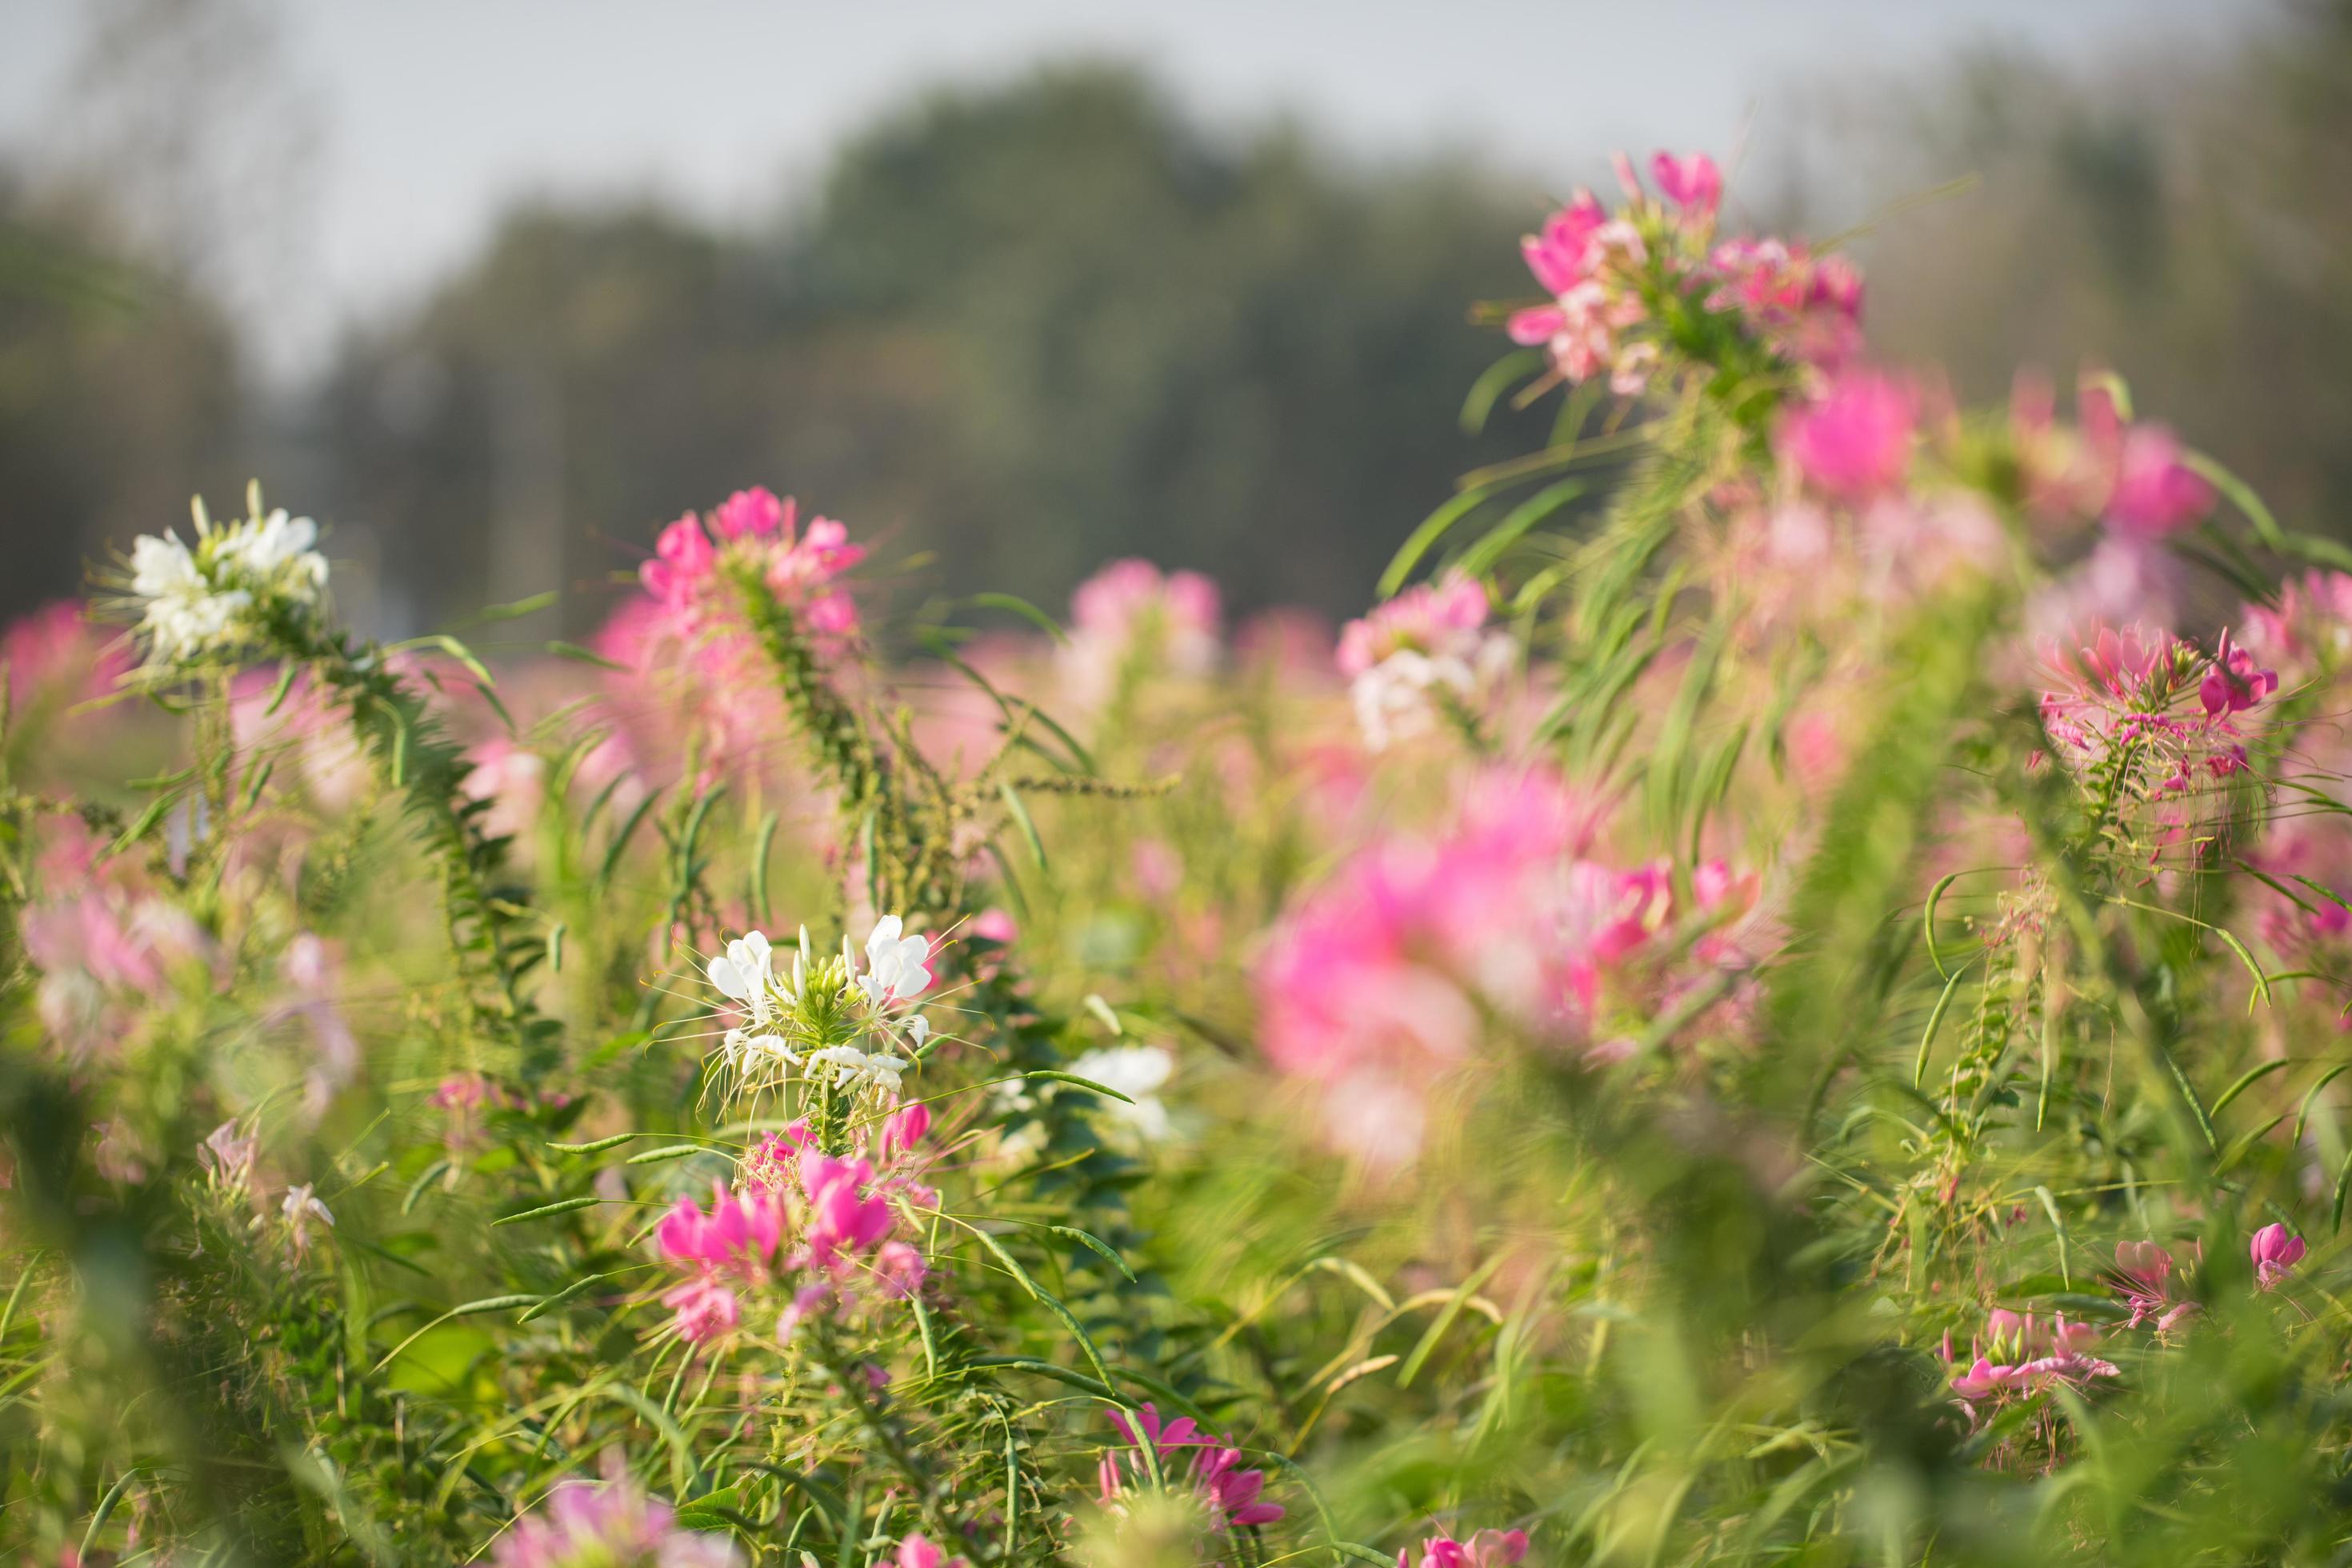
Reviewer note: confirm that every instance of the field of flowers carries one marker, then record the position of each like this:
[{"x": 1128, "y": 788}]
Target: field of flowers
[{"x": 1781, "y": 998}]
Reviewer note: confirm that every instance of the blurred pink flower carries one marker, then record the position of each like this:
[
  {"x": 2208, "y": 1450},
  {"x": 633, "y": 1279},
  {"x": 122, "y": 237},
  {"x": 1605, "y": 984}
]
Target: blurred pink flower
[
  {"x": 1692, "y": 183},
  {"x": 1130, "y": 620},
  {"x": 612, "y": 1525},
  {"x": 1854, "y": 441},
  {"x": 1487, "y": 1549}
]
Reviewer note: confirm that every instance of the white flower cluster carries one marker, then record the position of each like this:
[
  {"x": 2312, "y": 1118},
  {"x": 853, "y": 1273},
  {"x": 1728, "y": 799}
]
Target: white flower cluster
[
  {"x": 201, "y": 600},
  {"x": 818, "y": 1020}
]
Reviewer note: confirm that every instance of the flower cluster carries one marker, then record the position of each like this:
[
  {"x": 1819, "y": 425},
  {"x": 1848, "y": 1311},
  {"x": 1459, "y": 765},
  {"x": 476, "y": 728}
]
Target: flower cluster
[
  {"x": 1129, "y": 619},
  {"x": 586, "y": 1524},
  {"x": 104, "y": 941},
  {"x": 829, "y": 1022},
  {"x": 2121, "y": 704},
  {"x": 1627, "y": 285},
  {"x": 1230, "y": 1493},
  {"x": 2032, "y": 1355},
  {"x": 1380, "y": 982},
  {"x": 216, "y": 597},
  {"x": 690, "y": 619},
  {"x": 1423, "y": 650},
  {"x": 835, "y": 1212}
]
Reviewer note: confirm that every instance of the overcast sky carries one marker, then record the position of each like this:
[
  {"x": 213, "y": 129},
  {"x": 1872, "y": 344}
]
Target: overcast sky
[{"x": 432, "y": 113}]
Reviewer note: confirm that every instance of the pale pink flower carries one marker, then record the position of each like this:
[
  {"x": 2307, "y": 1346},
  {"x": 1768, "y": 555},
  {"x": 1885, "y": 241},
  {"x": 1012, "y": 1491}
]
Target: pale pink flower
[
  {"x": 2155, "y": 493},
  {"x": 613, "y": 1525},
  {"x": 1130, "y": 620},
  {"x": 228, "y": 1158}
]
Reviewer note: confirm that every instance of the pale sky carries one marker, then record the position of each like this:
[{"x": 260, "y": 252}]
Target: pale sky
[{"x": 433, "y": 113}]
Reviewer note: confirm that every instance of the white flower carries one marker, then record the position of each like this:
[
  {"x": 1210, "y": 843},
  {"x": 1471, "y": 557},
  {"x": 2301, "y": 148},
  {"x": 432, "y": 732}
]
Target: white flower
[
  {"x": 744, "y": 1051},
  {"x": 301, "y": 1206},
  {"x": 1393, "y": 698},
  {"x": 746, "y": 975},
  {"x": 1135, "y": 1071},
  {"x": 918, "y": 1029},
  {"x": 895, "y": 968},
  {"x": 197, "y": 599},
  {"x": 854, "y": 1070}
]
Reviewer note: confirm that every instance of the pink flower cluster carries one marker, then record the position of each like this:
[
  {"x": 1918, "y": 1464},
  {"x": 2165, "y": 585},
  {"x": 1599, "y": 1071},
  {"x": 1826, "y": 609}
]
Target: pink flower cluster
[
  {"x": 2144, "y": 1278},
  {"x": 1608, "y": 274},
  {"x": 840, "y": 1214},
  {"x": 689, "y": 614},
  {"x": 1377, "y": 983},
  {"x": 102, "y": 938},
  {"x": 2034, "y": 1354},
  {"x": 1231, "y": 1494},
  {"x": 2125, "y": 691},
  {"x": 2132, "y": 475},
  {"x": 1487, "y": 1549},
  {"x": 1428, "y": 640},
  {"x": 1852, "y": 441},
  {"x": 1131, "y": 618},
  {"x": 584, "y": 1524}
]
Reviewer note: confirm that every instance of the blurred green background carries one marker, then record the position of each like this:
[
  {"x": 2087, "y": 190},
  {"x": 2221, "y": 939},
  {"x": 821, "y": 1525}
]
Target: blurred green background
[{"x": 1081, "y": 298}]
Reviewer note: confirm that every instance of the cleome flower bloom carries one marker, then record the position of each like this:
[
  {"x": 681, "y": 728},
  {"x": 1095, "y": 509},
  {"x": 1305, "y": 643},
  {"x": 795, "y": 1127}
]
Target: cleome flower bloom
[
  {"x": 2143, "y": 1276},
  {"x": 2121, "y": 699},
  {"x": 2034, "y": 1354},
  {"x": 811, "y": 1223},
  {"x": 830, "y": 1023},
  {"x": 218, "y": 594},
  {"x": 584, "y": 1524},
  {"x": 1487, "y": 1549},
  {"x": 1230, "y": 1493},
  {"x": 1422, "y": 648}
]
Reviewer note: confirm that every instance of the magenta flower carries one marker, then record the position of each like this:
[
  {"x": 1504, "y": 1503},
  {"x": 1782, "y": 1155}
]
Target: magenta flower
[
  {"x": 2274, "y": 1252},
  {"x": 905, "y": 1127},
  {"x": 1230, "y": 1493},
  {"x": 1693, "y": 184},
  {"x": 1487, "y": 1549},
  {"x": 1561, "y": 255},
  {"x": 584, "y": 1524},
  {"x": 1854, "y": 441},
  {"x": 917, "y": 1550},
  {"x": 2234, "y": 684},
  {"x": 754, "y": 513}
]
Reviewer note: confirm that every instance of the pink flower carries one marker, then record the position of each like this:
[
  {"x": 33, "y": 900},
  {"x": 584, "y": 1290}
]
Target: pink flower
[
  {"x": 2143, "y": 1276},
  {"x": 702, "y": 1309},
  {"x": 916, "y": 1551},
  {"x": 905, "y": 1127},
  {"x": 1132, "y": 619},
  {"x": 682, "y": 561},
  {"x": 754, "y": 513},
  {"x": 1232, "y": 1493},
  {"x": 1560, "y": 255},
  {"x": 1427, "y": 618},
  {"x": 2234, "y": 684},
  {"x": 1854, "y": 442},
  {"x": 2155, "y": 492},
  {"x": 1693, "y": 184},
  {"x": 230, "y": 1158},
  {"x": 2274, "y": 1252},
  {"x": 994, "y": 925},
  {"x": 1487, "y": 1549},
  {"x": 740, "y": 1233},
  {"x": 614, "y": 1523}
]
